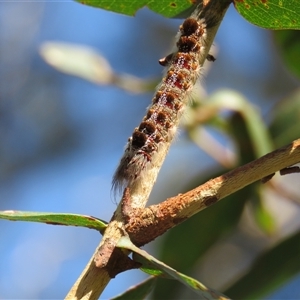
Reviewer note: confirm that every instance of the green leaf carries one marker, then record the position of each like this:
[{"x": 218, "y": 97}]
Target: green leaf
[
  {"x": 262, "y": 216},
  {"x": 288, "y": 42},
  {"x": 190, "y": 282},
  {"x": 270, "y": 271},
  {"x": 167, "y": 8},
  {"x": 140, "y": 291},
  {"x": 54, "y": 219},
  {"x": 271, "y": 14},
  {"x": 148, "y": 268},
  {"x": 285, "y": 124}
]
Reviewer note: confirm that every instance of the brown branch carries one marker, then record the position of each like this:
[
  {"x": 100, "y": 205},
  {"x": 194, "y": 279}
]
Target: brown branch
[
  {"x": 90, "y": 284},
  {"x": 146, "y": 224}
]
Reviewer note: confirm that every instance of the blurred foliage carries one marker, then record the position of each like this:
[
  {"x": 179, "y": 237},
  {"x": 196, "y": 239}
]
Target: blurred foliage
[
  {"x": 284, "y": 126},
  {"x": 31, "y": 126},
  {"x": 269, "y": 271},
  {"x": 288, "y": 42}
]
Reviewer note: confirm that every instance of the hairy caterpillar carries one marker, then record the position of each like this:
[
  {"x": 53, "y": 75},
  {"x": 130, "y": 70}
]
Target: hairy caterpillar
[{"x": 163, "y": 115}]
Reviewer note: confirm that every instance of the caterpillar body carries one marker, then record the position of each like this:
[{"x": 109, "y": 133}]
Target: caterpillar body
[{"x": 163, "y": 115}]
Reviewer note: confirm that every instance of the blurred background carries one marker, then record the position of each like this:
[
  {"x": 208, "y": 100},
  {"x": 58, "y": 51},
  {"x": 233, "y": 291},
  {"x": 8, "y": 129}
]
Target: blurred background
[{"x": 61, "y": 138}]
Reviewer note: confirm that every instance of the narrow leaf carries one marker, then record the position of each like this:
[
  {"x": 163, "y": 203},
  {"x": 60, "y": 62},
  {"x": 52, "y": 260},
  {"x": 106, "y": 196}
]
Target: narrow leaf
[
  {"x": 55, "y": 219},
  {"x": 190, "y": 282},
  {"x": 262, "y": 216},
  {"x": 148, "y": 268}
]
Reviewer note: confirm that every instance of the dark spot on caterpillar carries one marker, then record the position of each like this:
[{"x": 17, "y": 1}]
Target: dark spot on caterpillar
[
  {"x": 149, "y": 114},
  {"x": 158, "y": 138},
  {"x": 138, "y": 139},
  {"x": 149, "y": 148},
  {"x": 173, "y": 4},
  {"x": 147, "y": 127},
  {"x": 183, "y": 60},
  {"x": 189, "y": 27},
  {"x": 178, "y": 106},
  {"x": 169, "y": 97},
  {"x": 165, "y": 98},
  {"x": 161, "y": 117},
  {"x": 157, "y": 97},
  {"x": 175, "y": 78},
  {"x": 187, "y": 44}
]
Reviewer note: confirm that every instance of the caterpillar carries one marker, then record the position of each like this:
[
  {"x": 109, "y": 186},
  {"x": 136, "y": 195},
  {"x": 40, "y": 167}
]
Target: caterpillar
[{"x": 163, "y": 115}]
